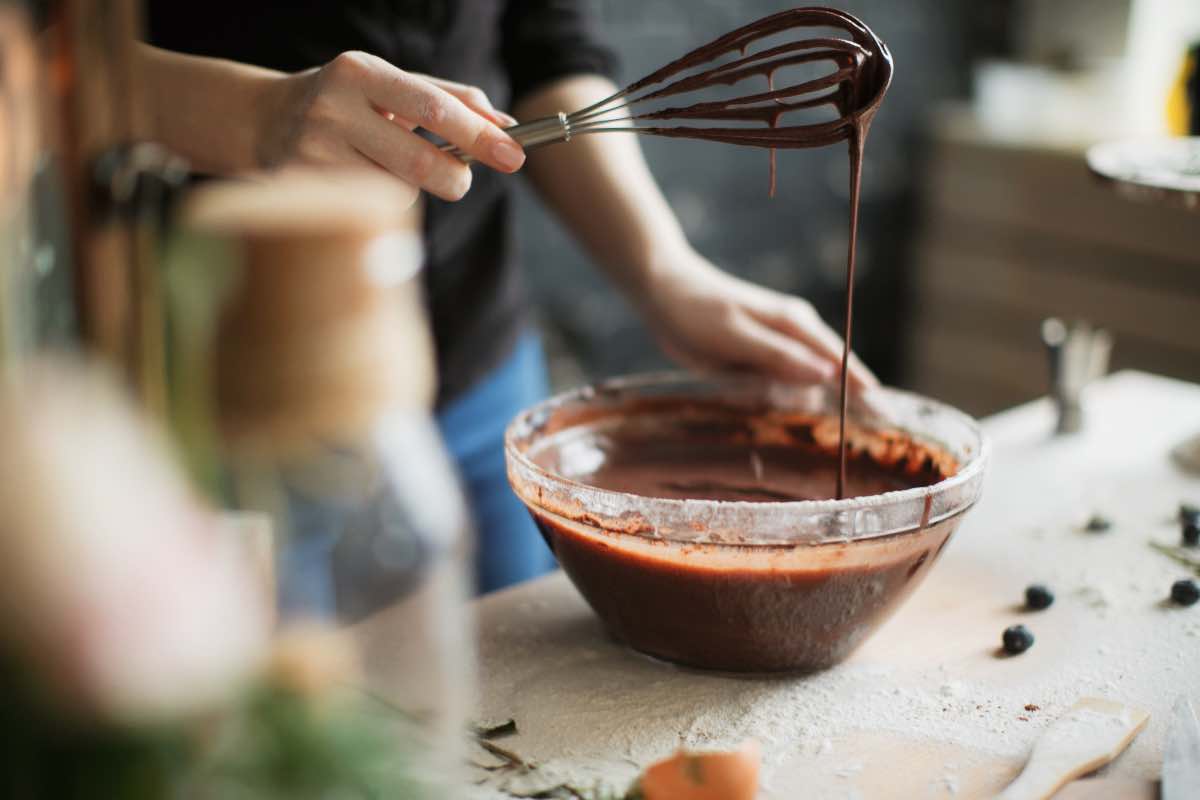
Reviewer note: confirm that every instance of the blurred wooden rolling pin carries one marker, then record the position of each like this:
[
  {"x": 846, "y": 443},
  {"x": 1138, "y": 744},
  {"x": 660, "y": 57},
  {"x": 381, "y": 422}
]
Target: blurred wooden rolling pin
[{"x": 1091, "y": 734}]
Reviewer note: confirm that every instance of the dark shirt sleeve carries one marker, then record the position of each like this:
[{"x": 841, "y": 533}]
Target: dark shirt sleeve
[{"x": 545, "y": 40}]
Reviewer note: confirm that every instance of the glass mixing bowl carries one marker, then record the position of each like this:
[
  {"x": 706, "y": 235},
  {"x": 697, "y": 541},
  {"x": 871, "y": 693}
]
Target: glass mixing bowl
[{"x": 754, "y": 585}]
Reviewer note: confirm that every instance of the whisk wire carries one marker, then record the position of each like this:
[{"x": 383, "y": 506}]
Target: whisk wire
[{"x": 852, "y": 59}]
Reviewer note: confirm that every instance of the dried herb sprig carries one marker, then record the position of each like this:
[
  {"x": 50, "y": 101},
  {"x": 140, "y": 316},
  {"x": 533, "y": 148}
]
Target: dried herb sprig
[
  {"x": 514, "y": 760},
  {"x": 485, "y": 732},
  {"x": 1179, "y": 555},
  {"x": 566, "y": 791}
]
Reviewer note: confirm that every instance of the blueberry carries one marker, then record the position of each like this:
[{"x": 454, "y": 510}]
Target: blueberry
[
  {"x": 1038, "y": 597},
  {"x": 1185, "y": 592},
  {"x": 1189, "y": 514},
  {"x": 1098, "y": 524},
  {"x": 1017, "y": 640},
  {"x": 1191, "y": 534}
]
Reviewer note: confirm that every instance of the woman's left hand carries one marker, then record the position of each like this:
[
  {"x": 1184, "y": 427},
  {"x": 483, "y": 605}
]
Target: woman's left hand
[{"x": 710, "y": 320}]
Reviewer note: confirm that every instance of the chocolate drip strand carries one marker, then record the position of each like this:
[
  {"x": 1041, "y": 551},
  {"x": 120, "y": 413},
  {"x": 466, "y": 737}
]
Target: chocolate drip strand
[{"x": 857, "y": 143}]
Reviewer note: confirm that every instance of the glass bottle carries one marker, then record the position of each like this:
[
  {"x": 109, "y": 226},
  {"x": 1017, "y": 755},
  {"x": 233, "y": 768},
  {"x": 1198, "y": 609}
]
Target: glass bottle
[{"x": 303, "y": 379}]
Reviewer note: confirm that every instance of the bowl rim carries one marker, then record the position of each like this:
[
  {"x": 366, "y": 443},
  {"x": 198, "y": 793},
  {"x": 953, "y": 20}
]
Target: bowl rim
[{"x": 523, "y": 425}]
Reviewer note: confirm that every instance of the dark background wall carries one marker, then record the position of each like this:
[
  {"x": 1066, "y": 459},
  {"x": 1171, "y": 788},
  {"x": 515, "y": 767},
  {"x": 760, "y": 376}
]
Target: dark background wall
[{"x": 795, "y": 242}]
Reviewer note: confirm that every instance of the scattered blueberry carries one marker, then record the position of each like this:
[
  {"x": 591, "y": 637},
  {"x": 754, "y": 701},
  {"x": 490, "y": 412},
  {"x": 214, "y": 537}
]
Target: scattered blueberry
[
  {"x": 1185, "y": 592},
  {"x": 1191, "y": 534},
  {"x": 1017, "y": 640},
  {"x": 1038, "y": 597},
  {"x": 1189, "y": 514},
  {"x": 1098, "y": 524}
]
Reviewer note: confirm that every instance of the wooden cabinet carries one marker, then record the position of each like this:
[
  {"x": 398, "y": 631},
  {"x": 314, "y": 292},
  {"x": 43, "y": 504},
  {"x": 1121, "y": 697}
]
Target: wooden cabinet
[{"x": 1014, "y": 232}]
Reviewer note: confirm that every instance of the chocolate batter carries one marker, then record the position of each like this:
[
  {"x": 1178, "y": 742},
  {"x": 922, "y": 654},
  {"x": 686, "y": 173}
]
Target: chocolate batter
[
  {"x": 694, "y": 451},
  {"x": 734, "y": 605},
  {"x": 861, "y": 75},
  {"x": 743, "y": 608}
]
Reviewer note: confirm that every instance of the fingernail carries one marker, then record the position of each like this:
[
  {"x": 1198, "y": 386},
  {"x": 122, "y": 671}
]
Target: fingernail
[
  {"x": 508, "y": 154},
  {"x": 504, "y": 119}
]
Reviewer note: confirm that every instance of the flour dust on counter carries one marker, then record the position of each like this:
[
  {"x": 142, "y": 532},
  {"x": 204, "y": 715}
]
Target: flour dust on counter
[{"x": 603, "y": 713}]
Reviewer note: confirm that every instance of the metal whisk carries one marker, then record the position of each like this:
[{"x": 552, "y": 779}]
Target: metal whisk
[{"x": 862, "y": 72}]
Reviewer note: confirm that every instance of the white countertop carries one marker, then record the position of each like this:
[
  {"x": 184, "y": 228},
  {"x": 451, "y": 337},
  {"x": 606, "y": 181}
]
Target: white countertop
[{"x": 925, "y": 708}]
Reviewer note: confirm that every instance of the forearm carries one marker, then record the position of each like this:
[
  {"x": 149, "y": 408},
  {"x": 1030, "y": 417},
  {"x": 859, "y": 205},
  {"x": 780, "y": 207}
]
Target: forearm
[
  {"x": 205, "y": 109},
  {"x": 602, "y": 189}
]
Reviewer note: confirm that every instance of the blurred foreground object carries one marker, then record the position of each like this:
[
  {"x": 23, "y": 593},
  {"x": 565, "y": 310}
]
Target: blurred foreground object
[
  {"x": 116, "y": 187},
  {"x": 125, "y": 616},
  {"x": 19, "y": 130},
  {"x": 1078, "y": 355},
  {"x": 134, "y": 653},
  {"x": 303, "y": 390},
  {"x": 118, "y": 589},
  {"x": 18, "y": 108}
]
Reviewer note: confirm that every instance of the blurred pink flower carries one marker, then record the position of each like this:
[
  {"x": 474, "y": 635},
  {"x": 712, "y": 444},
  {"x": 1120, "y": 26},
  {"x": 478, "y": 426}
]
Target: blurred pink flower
[{"x": 116, "y": 584}]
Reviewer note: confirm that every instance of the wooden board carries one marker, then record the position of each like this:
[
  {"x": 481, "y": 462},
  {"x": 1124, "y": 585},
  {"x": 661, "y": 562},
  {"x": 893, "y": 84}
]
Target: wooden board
[{"x": 927, "y": 708}]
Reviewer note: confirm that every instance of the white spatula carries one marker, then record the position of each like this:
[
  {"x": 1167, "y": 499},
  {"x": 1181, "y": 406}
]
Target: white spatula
[{"x": 1091, "y": 734}]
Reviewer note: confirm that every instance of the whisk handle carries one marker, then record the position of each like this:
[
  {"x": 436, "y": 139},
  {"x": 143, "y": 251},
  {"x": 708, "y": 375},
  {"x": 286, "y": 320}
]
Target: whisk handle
[{"x": 535, "y": 133}]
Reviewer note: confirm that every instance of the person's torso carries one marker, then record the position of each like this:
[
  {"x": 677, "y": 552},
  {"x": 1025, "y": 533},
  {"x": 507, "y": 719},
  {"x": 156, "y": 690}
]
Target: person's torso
[{"x": 453, "y": 39}]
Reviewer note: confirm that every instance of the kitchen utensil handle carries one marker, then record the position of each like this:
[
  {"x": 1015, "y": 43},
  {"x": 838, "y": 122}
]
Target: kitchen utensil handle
[
  {"x": 1038, "y": 781},
  {"x": 535, "y": 133},
  {"x": 1091, "y": 734}
]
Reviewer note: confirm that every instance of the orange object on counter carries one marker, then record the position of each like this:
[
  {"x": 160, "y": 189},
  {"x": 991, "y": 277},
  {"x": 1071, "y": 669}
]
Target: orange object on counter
[{"x": 705, "y": 776}]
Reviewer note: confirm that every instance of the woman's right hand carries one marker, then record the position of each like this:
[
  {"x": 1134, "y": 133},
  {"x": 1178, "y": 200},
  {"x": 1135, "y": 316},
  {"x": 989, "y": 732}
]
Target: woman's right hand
[{"x": 360, "y": 110}]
